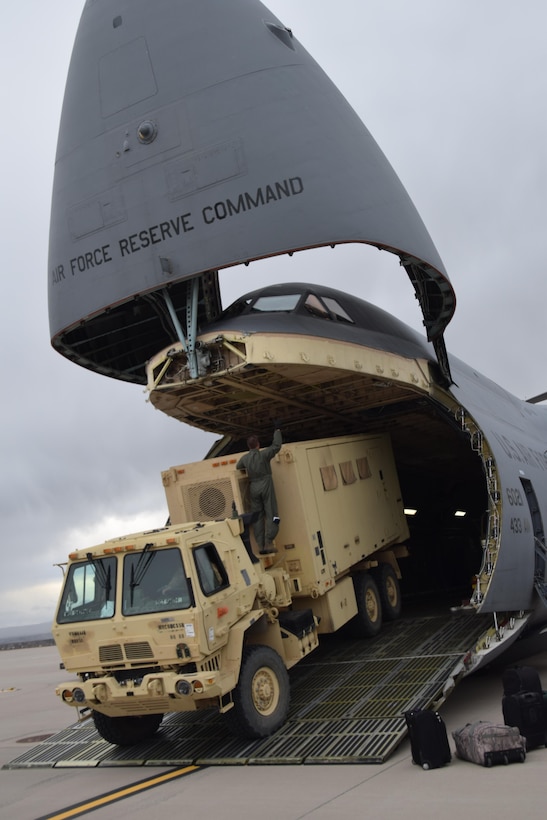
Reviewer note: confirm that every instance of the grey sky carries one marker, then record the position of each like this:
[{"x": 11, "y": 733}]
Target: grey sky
[{"x": 453, "y": 92}]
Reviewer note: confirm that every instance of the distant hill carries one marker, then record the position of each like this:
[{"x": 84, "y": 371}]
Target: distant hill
[{"x": 31, "y": 633}]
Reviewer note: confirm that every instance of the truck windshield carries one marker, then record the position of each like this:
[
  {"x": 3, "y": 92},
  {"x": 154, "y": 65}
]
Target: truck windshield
[
  {"x": 155, "y": 581},
  {"x": 89, "y": 591}
]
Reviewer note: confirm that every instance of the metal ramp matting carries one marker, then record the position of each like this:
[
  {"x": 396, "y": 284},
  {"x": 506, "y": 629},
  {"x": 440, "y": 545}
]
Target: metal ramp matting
[{"x": 348, "y": 700}]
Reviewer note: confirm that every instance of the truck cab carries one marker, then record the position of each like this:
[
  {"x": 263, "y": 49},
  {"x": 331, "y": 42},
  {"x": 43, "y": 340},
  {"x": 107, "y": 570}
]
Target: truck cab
[{"x": 157, "y": 622}]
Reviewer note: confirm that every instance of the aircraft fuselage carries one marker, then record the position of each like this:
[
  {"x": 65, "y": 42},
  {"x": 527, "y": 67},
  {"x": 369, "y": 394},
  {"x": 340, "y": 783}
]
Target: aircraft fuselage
[{"x": 469, "y": 455}]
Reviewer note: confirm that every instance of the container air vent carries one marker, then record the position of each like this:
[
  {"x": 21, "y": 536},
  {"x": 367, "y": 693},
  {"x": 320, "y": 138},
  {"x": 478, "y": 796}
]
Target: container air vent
[{"x": 207, "y": 502}]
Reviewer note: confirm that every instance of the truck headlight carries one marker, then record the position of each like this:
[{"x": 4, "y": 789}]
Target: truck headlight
[
  {"x": 182, "y": 687},
  {"x": 71, "y": 695},
  {"x": 78, "y": 695}
]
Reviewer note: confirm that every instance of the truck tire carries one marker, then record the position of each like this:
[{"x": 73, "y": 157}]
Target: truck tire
[
  {"x": 126, "y": 731},
  {"x": 368, "y": 621},
  {"x": 261, "y": 697},
  {"x": 390, "y": 591}
]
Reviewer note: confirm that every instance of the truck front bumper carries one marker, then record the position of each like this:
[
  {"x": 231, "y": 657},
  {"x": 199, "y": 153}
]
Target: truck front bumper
[{"x": 153, "y": 693}]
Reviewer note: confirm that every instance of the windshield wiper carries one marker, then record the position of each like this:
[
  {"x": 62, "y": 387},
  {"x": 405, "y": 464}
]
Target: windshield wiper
[
  {"x": 102, "y": 574},
  {"x": 139, "y": 570}
]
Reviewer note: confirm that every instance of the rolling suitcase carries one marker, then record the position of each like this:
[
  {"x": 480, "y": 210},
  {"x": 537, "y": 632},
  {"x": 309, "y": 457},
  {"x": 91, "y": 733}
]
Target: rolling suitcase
[
  {"x": 428, "y": 739},
  {"x": 527, "y": 711},
  {"x": 489, "y": 744},
  {"x": 517, "y": 679}
]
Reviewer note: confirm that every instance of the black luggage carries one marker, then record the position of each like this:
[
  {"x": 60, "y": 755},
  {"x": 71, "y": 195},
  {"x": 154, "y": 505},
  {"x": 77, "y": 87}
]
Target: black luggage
[
  {"x": 520, "y": 679},
  {"x": 489, "y": 744},
  {"x": 527, "y": 711},
  {"x": 428, "y": 738}
]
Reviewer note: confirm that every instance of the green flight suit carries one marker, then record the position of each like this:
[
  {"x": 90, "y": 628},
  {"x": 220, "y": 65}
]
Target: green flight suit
[{"x": 263, "y": 501}]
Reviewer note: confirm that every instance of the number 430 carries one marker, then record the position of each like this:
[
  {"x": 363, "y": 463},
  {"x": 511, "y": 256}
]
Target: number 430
[{"x": 516, "y": 525}]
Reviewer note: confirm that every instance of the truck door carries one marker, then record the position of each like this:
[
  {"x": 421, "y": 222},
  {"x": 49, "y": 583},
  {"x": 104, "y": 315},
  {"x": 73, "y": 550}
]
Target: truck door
[{"x": 216, "y": 594}]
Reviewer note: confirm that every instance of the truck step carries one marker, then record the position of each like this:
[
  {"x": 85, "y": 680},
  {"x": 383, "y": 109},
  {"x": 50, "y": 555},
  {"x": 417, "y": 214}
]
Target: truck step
[{"x": 297, "y": 622}]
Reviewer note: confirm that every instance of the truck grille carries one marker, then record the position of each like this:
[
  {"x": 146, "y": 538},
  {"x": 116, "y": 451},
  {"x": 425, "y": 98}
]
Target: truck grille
[
  {"x": 210, "y": 665},
  {"x": 133, "y": 651},
  {"x": 110, "y": 654}
]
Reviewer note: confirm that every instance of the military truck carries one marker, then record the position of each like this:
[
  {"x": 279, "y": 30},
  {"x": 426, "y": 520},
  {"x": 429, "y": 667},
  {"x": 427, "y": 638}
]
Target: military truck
[{"x": 190, "y": 616}]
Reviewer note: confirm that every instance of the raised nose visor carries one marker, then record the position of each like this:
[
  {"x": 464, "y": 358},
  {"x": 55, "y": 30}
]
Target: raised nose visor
[{"x": 196, "y": 137}]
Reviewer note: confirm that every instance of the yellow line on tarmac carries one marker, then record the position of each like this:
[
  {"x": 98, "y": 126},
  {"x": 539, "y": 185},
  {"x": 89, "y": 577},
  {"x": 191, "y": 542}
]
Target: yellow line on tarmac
[{"x": 119, "y": 794}]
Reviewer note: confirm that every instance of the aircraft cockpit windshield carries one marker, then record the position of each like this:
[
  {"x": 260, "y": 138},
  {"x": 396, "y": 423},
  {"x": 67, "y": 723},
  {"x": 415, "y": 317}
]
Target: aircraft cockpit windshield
[
  {"x": 285, "y": 302},
  {"x": 324, "y": 307}
]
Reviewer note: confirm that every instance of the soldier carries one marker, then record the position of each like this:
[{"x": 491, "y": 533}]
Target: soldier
[{"x": 263, "y": 501}]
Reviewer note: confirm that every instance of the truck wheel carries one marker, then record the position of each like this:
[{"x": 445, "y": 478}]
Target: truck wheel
[
  {"x": 390, "y": 591},
  {"x": 368, "y": 621},
  {"x": 261, "y": 697},
  {"x": 126, "y": 731}
]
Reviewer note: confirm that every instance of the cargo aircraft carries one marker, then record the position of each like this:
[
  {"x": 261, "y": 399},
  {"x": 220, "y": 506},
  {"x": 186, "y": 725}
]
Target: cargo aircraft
[{"x": 197, "y": 138}]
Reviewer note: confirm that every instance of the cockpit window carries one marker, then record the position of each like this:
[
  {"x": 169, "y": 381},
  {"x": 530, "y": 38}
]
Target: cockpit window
[
  {"x": 316, "y": 307},
  {"x": 155, "y": 581},
  {"x": 236, "y": 308},
  {"x": 89, "y": 591},
  {"x": 326, "y": 308},
  {"x": 337, "y": 310},
  {"x": 275, "y": 304}
]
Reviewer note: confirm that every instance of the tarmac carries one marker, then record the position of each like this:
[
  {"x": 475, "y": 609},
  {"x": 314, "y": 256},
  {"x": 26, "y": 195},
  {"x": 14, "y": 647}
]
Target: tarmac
[{"x": 30, "y": 712}]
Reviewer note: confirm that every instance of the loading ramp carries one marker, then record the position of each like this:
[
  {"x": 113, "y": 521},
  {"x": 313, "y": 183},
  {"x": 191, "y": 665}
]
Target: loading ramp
[{"x": 348, "y": 700}]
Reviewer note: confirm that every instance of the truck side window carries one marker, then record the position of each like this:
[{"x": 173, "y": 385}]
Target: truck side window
[
  {"x": 155, "y": 581},
  {"x": 211, "y": 572},
  {"x": 89, "y": 591}
]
